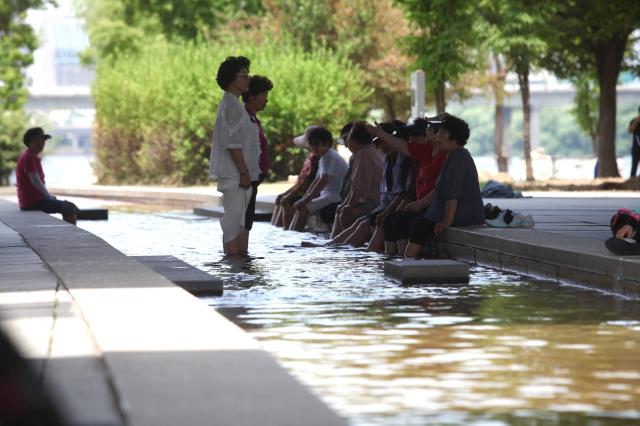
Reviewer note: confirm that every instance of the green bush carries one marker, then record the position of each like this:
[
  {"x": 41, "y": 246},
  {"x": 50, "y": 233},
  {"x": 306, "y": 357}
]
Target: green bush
[
  {"x": 12, "y": 126},
  {"x": 155, "y": 109}
]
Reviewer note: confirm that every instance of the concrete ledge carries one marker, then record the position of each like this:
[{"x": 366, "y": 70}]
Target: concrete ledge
[
  {"x": 557, "y": 257},
  {"x": 209, "y": 210},
  {"x": 427, "y": 271},
  {"x": 182, "y": 274},
  {"x": 166, "y": 356}
]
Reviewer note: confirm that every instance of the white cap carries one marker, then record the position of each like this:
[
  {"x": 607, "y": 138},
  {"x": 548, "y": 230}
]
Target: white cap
[{"x": 302, "y": 141}]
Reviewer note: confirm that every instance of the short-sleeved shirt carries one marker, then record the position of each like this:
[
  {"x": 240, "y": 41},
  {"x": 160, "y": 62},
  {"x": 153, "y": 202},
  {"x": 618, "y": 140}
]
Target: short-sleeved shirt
[
  {"x": 428, "y": 167},
  {"x": 458, "y": 180},
  {"x": 234, "y": 129},
  {"x": 263, "y": 162},
  {"x": 28, "y": 195},
  {"x": 396, "y": 170},
  {"x": 334, "y": 167},
  {"x": 366, "y": 173}
]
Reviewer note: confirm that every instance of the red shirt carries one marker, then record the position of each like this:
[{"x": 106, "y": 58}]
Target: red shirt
[
  {"x": 263, "y": 162},
  {"x": 28, "y": 195},
  {"x": 429, "y": 166}
]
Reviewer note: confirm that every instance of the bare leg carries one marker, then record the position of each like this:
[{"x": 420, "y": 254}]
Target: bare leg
[
  {"x": 233, "y": 247},
  {"x": 360, "y": 235},
  {"x": 299, "y": 220},
  {"x": 344, "y": 235},
  {"x": 413, "y": 250},
  {"x": 70, "y": 218},
  {"x": 244, "y": 242},
  {"x": 287, "y": 215},
  {"x": 337, "y": 226},
  {"x": 402, "y": 246},
  {"x": 377, "y": 241},
  {"x": 390, "y": 247},
  {"x": 275, "y": 214}
]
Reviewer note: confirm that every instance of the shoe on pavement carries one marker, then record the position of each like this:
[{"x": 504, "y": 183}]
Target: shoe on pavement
[{"x": 623, "y": 246}]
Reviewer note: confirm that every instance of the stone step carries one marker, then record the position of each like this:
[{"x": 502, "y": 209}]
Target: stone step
[
  {"x": 216, "y": 211},
  {"x": 93, "y": 214},
  {"x": 182, "y": 274},
  {"x": 427, "y": 271}
]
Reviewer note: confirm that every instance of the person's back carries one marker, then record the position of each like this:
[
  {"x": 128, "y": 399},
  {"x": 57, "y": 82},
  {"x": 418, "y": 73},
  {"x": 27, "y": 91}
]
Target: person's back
[
  {"x": 28, "y": 194},
  {"x": 367, "y": 173}
]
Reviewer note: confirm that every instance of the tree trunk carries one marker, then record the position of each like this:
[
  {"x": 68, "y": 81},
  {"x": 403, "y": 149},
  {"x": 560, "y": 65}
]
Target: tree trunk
[
  {"x": 522, "y": 69},
  {"x": 498, "y": 132},
  {"x": 609, "y": 56},
  {"x": 391, "y": 111},
  {"x": 441, "y": 103}
]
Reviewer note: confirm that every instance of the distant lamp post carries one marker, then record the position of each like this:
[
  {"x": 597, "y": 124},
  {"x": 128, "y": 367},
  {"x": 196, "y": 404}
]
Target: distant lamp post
[{"x": 417, "y": 94}]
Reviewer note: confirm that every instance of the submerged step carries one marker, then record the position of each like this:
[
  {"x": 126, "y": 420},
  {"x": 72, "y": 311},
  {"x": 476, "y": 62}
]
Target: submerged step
[
  {"x": 427, "y": 271},
  {"x": 93, "y": 214},
  {"x": 217, "y": 211},
  {"x": 182, "y": 274}
]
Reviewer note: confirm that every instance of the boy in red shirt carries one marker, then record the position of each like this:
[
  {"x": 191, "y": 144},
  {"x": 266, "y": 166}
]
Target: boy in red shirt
[{"x": 32, "y": 192}]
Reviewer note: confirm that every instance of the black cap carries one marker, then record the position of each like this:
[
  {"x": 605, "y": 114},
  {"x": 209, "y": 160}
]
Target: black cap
[
  {"x": 417, "y": 128},
  {"x": 32, "y": 133}
]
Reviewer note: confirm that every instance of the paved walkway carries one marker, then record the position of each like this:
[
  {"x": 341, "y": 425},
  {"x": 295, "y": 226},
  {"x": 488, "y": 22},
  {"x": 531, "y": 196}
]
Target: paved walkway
[{"x": 118, "y": 344}]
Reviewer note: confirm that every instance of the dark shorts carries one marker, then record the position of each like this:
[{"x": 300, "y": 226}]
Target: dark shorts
[
  {"x": 328, "y": 213},
  {"x": 54, "y": 206},
  {"x": 374, "y": 215},
  {"x": 251, "y": 207},
  {"x": 421, "y": 231},
  {"x": 397, "y": 226}
]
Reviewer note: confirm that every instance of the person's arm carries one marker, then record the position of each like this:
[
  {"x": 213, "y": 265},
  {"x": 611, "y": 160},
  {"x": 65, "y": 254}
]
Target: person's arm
[
  {"x": 39, "y": 185},
  {"x": 238, "y": 160},
  {"x": 313, "y": 191},
  {"x": 395, "y": 143},
  {"x": 422, "y": 203},
  {"x": 634, "y": 125},
  {"x": 450, "y": 207}
]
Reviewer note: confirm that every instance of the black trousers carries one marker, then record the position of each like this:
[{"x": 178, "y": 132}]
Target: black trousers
[
  {"x": 251, "y": 207},
  {"x": 397, "y": 226},
  {"x": 635, "y": 158}
]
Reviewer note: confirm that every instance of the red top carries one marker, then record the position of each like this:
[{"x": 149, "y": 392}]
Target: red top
[
  {"x": 428, "y": 169},
  {"x": 28, "y": 195},
  {"x": 263, "y": 162}
]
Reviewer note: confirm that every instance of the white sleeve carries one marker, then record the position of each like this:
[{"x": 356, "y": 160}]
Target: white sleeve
[{"x": 232, "y": 119}]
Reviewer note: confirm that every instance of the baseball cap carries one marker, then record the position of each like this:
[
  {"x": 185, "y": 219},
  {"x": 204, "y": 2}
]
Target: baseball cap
[
  {"x": 303, "y": 141},
  {"x": 34, "y": 132}
]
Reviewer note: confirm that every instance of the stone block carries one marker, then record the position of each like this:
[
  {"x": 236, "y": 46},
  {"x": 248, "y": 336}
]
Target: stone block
[
  {"x": 183, "y": 275},
  {"x": 427, "y": 271}
]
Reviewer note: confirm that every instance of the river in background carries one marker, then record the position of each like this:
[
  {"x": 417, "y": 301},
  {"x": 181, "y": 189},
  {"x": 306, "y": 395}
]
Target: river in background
[{"x": 76, "y": 170}]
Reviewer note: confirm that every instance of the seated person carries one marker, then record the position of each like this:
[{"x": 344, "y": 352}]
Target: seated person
[
  {"x": 397, "y": 171},
  {"x": 325, "y": 188},
  {"x": 456, "y": 199},
  {"x": 32, "y": 192},
  {"x": 420, "y": 147},
  {"x": 283, "y": 209},
  {"x": 328, "y": 214},
  {"x": 366, "y": 173},
  {"x": 625, "y": 225}
]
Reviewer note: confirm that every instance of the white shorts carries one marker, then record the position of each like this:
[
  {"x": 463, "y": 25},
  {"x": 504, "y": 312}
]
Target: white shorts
[
  {"x": 317, "y": 203},
  {"x": 234, "y": 202}
]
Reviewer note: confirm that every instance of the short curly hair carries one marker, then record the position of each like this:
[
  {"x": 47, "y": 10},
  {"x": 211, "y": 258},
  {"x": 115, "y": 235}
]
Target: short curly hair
[
  {"x": 458, "y": 129},
  {"x": 257, "y": 84},
  {"x": 229, "y": 68}
]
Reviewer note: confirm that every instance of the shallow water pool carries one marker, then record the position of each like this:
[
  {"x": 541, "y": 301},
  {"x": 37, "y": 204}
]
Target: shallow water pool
[{"x": 503, "y": 349}]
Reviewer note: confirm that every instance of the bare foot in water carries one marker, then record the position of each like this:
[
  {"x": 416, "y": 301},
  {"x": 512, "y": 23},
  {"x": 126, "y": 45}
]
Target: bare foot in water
[{"x": 310, "y": 244}]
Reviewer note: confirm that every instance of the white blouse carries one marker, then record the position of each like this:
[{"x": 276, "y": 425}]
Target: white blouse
[{"x": 234, "y": 129}]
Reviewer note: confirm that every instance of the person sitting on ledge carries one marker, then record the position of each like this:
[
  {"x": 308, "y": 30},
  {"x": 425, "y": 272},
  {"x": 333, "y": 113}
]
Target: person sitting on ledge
[
  {"x": 456, "y": 199},
  {"x": 325, "y": 188},
  {"x": 32, "y": 192}
]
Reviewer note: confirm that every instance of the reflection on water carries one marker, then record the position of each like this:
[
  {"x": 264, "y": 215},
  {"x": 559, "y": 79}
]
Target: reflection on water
[{"x": 500, "y": 350}]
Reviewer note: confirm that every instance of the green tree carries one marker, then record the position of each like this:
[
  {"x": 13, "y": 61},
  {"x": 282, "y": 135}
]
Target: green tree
[
  {"x": 17, "y": 43},
  {"x": 443, "y": 41},
  {"x": 513, "y": 31},
  {"x": 585, "y": 109},
  {"x": 590, "y": 37}
]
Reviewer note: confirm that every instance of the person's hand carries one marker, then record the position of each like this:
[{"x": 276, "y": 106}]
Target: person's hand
[
  {"x": 279, "y": 198},
  {"x": 380, "y": 219},
  {"x": 440, "y": 228},
  {"x": 625, "y": 232},
  {"x": 245, "y": 181},
  {"x": 373, "y": 130},
  {"x": 413, "y": 207}
]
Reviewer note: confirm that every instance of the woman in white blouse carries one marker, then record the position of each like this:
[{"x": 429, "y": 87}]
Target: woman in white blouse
[{"x": 235, "y": 153}]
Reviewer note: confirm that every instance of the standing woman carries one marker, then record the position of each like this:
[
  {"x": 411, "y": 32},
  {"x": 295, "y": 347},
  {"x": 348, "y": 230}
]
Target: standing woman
[{"x": 234, "y": 154}]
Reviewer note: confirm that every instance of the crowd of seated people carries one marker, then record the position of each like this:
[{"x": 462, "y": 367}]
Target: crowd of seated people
[{"x": 404, "y": 184}]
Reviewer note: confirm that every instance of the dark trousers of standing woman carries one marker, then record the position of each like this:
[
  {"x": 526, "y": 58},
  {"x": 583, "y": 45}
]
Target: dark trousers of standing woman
[{"x": 635, "y": 158}]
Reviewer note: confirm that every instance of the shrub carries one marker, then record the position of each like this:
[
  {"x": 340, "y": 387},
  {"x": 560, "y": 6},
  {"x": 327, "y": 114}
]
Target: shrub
[{"x": 155, "y": 109}]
